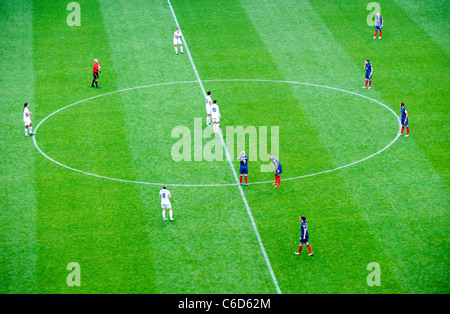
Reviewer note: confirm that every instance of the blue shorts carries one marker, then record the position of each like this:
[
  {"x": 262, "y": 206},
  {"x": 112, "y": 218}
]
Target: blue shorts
[
  {"x": 368, "y": 76},
  {"x": 304, "y": 240},
  {"x": 279, "y": 170},
  {"x": 378, "y": 28},
  {"x": 243, "y": 170},
  {"x": 404, "y": 122}
]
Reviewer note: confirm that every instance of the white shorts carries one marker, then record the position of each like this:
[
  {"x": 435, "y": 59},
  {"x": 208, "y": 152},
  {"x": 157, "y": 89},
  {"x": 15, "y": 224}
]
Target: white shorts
[
  {"x": 27, "y": 122},
  {"x": 208, "y": 109},
  {"x": 166, "y": 205},
  {"x": 177, "y": 41},
  {"x": 215, "y": 119}
]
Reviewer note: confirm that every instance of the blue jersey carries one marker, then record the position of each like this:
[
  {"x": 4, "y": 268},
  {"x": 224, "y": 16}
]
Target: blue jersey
[
  {"x": 244, "y": 161},
  {"x": 378, "y": 21},
  {"x": 404, "y": 119},
  {"x": 368, "y": 68},
  {"x": 244, "y": 165},
  {"x": 403, "y": 113},
  {"x": 304, "y": 228},
  {"x": 277, "y": 165}
]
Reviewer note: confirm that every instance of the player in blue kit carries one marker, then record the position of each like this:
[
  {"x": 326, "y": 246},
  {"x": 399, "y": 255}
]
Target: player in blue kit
[
  {"x": 304, "y": 237},
  {"x": 369, "y": 70},
  {"x": 278, "y": 170},
  {"x": 404, "y": 120},
  {"x": 243, "y": 170},
  {"x": 378, "y": 25}
]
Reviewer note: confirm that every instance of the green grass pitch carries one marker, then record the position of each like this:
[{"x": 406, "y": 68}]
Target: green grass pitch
[{"x": 391, "y": 209}]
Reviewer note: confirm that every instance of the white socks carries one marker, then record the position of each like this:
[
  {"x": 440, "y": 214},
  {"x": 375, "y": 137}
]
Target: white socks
[{"x": 164, "y": 214}]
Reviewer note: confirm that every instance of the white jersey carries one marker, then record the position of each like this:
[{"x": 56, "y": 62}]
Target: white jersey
[
  {"x": 208, "y": 103},
  {"x": 208, "y": 100},
  {"x": 177, "y": 38},
  {"x": 215, "y": 113},
  {"x": 165, "y": 196},
  {"x": 26, "y": 116},
  {"x": 176, "y": 35}
]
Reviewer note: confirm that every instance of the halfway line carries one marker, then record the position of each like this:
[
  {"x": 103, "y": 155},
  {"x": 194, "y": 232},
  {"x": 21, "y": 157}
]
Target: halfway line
[{"x": 229, "y": 161}]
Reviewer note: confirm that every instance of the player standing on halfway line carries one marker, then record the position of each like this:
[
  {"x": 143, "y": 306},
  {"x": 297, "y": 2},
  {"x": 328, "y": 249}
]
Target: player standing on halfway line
[
  {"x": 243, "y": 170},
  {"x": 165, "y": 196},
  {"x": 208, "y": 108},
  {"x": 304, "y": 237},
  {"x": 369, "y": 70},
  {"x": 96, "y": 71},
  {"x": 278, "y": 171},
  {"x": 378, "y": 25},
  {"x": 27, "y": 120},
  {"x": 215, "y": 114},
  {"x": 177, "y": 41},
  {"x": 404, "y": 120}
]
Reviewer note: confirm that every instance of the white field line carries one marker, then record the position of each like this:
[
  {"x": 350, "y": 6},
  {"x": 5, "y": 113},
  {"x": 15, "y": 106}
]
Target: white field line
[
  {"x": 216, "y": 184},
  {"x": 231, "y": 165},
  {"x": 333, "y": 88}
]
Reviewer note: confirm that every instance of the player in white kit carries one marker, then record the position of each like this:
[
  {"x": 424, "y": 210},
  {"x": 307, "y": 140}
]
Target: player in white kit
[
  {"x": 208, "y": 108},
  {"x": 215, "y": 114},
  {"x": 27, "y": 120},
  {"x": 177, "y": 40},
  {"x": 165, "y": 196}
]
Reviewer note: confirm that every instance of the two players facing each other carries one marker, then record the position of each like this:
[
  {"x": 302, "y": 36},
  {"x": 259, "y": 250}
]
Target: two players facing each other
[{"x": 243, "y": 169}]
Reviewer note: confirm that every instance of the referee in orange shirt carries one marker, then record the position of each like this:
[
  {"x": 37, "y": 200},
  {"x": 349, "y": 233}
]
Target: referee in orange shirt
[{"x": 96, "y": 72}]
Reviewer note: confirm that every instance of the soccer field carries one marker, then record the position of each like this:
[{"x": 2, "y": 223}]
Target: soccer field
[{"x": 288, "y": 77}]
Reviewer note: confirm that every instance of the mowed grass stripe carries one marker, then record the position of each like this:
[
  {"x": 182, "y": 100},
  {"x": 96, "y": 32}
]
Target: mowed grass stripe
[
  {"x": 83, "y": 219},
  {"x": 269, "y": 214},
  {"x": 202, "y": 242},
  {"x": 229, "y": 160},
  {"x": 430, "y": 17},
  {"x": 391, "y": 209},
  {"x": 255, "y": 60},
  {"x": 326, "y": 198},
  {"x": 417, "y": 163},
  {"x": 243, "y": 103},
  {"x": 398, "y": 78},
  {"x": 17, "y": 174},
  {"x": 371, "y": 189},
  {"x": 153, "y": 113}
]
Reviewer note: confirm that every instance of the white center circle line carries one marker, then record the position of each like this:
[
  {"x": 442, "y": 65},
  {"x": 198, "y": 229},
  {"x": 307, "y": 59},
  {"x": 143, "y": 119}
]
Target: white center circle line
[{"x": 216, "y": 80}]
